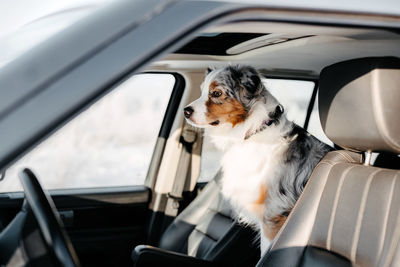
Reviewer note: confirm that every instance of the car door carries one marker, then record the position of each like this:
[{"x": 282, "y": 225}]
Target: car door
[
  {"x": 105, "y": 220},
  {"x": 95, "y": 168}
]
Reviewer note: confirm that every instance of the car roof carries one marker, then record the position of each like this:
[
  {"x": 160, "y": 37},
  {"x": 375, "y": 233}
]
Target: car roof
[{"x": 280, "y": 47}]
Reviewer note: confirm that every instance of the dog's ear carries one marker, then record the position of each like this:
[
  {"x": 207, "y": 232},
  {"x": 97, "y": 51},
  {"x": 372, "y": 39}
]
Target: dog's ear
[
  {"x": 248, "y": 77},
  {"x": 252, "y": 83},
  {"x": 208, "y": 70}
]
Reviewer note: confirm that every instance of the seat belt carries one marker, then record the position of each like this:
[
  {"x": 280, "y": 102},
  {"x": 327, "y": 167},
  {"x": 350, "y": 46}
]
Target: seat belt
[{"x": 187, "y": 140}]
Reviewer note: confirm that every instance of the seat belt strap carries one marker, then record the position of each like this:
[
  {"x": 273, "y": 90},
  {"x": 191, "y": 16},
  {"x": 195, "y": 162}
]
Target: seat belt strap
[{"x": 187, "y": 139}]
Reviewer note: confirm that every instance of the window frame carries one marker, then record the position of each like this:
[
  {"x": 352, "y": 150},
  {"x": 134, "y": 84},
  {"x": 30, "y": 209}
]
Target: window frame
[
  {"x": 166, "y": 126},
  {"x": 173, "y": 102},
  {"x": 164, "y": 131}
]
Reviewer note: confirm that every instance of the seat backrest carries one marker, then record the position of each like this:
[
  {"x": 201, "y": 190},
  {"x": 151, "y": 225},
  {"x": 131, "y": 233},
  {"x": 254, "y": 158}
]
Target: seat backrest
[
  {"x": 206, "y": 229},
  {"x": 349, "y": 212}
]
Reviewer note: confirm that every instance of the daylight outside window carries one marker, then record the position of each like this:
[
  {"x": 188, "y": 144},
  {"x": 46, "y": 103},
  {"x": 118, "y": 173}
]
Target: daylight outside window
[{"x": 109, "y": 144}]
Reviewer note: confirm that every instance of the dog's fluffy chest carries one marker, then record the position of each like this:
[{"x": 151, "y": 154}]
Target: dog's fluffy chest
[{"x": 247, "y": 168}]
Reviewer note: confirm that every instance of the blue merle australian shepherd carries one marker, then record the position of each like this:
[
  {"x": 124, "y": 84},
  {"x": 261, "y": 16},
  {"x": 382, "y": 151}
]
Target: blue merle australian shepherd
[{"x": 267, "y": 159}]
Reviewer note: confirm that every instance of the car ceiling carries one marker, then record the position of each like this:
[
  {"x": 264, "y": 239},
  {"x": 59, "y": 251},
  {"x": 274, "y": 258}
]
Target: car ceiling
[{"x": 305, "y": 48}]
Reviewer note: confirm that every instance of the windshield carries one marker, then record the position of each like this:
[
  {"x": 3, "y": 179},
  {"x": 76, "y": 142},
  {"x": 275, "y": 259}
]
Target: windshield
[{"x": 26, "y": 23}]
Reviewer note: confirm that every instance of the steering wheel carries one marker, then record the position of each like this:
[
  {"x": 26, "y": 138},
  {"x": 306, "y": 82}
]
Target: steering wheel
[{"x": 49, "y": 222}]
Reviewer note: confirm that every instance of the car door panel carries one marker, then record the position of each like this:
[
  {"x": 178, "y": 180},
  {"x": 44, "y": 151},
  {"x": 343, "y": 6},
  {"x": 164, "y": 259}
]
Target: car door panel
[{"x": 104, "y": 224}]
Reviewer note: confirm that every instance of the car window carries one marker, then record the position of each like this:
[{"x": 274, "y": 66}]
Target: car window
[
  {"x": 109, "y": 144},
  {"x": 314, "y": 126},
  {"x": 294, "y": 95}
]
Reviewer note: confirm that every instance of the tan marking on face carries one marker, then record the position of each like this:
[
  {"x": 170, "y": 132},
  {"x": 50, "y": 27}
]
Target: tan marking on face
[
  {"x": 229, "y": 111},
  {"x": 224, "y": 108},
  {"x": 213, "y": 85}
]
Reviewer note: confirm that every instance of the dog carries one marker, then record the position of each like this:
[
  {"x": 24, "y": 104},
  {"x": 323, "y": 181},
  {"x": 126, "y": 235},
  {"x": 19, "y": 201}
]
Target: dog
[{"x": 267, "y": 159}]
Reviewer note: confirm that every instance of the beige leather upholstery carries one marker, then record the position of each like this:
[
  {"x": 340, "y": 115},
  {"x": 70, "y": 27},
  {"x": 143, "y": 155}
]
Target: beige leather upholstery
[
  {"x": 361, "y": 110},
  {"x": 347, "y": 208},
  {"x": 301, "y": 220},
  {"x": 349, "y": 213}
]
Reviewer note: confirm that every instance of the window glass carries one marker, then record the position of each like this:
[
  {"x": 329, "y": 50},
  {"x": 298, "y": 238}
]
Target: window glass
[
  {"x": 314, "y": 126},
  {"x": 295, "y": 97},
  {"x": 109, "y": 144}
]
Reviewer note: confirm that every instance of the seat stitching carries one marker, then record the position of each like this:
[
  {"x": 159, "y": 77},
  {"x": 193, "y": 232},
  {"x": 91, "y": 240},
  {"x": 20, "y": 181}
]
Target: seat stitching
[
  {"x": 334, "y": 208},
  {"x": 195, "y": 248},
  {"x": 324, "y": 161},
  {"x": 207, "y": 235},
  {"x": 345, "y": 156},
  {"x": 319, "y": 201},
  {"x": 395, "y": 240},
  {"x": 360, "y": 216},
  {"x": 393, "y": 244},
  {"x": 386, "y": 219},
  {"x": 335, "y": 162},
  {"x": 330, "y": 162}
]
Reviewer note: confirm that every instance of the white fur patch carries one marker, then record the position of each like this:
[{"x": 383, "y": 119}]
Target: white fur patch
[{"x": 198, "y": 118}]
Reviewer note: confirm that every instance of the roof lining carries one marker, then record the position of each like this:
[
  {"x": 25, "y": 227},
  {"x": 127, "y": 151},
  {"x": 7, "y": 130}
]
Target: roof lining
[{"x": 329, "y": 45}]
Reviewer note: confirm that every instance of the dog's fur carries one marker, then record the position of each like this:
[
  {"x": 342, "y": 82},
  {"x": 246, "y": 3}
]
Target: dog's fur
[{"x": 267, "y": 158}]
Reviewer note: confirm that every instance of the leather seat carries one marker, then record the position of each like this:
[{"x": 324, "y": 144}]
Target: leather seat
[
  {"x": 204, "y": 234},
  {"x": 349, "y": 212}
]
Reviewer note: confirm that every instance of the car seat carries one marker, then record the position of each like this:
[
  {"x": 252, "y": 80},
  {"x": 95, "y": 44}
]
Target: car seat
[
  {"x": 204, "y": 234},
  {"x": 349, "y": 212}
]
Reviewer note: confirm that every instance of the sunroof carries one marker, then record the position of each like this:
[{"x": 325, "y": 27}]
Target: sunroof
[{"x": 216, "y": 43}]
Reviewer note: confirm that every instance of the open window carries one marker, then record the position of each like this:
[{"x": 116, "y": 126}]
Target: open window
[{"x": 109, "y": 144}]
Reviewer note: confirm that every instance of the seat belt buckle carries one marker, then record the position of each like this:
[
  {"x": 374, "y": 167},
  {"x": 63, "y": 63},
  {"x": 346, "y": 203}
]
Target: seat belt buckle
[{"x": 175, "y": 200}]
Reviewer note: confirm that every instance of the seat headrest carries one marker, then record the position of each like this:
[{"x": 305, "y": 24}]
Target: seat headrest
[{"x": 359, "y": 104}]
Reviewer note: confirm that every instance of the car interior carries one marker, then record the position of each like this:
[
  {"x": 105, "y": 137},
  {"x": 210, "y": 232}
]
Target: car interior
[{"x": 348, "y": 214}]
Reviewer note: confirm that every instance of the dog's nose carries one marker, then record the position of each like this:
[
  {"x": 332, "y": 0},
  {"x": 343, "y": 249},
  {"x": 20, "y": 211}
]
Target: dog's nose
[{"x": 188, "y": 111}]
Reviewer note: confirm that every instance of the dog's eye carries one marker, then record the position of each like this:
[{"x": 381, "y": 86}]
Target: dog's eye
[{"x": 216, "y": 94}]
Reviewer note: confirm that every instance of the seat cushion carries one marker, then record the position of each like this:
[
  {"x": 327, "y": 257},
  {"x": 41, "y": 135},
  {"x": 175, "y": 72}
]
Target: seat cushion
[
  {"x": 206, "y": 229},
  {"x": 199, "y": 227},
  {"x": 304, "y": 256},
  {"x": 347, "y": 210}
]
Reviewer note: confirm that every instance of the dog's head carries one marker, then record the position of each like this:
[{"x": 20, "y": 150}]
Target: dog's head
[{"x": 227, "y": 96}]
